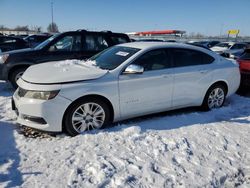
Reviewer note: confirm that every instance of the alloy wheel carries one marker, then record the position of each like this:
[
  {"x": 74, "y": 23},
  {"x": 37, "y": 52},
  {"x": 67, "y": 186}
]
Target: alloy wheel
[
  {"x": 216, "y": 98},
  {"x": 88, "y": 116}
]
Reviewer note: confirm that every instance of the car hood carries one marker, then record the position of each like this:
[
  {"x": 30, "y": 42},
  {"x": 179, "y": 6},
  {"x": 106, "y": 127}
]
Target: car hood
[
  {"x": 218, "y": 49},
  {"x": 62, "y": 72}
]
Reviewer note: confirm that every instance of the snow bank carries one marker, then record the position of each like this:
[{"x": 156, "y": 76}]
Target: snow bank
[{"x": 184, "y": 148}]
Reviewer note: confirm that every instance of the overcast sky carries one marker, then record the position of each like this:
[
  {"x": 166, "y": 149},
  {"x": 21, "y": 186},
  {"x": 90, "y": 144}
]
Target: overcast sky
[{"x": 209, "y": 17}]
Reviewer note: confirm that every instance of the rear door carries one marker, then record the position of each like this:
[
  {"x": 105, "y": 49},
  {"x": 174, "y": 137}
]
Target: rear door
[{"x": 192, "y": 74}]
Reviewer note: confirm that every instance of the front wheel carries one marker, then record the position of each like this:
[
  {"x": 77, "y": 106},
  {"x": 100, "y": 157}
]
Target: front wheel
[
  {"x": 86, "y": 114},
  {"x": 215, "y": 97}
]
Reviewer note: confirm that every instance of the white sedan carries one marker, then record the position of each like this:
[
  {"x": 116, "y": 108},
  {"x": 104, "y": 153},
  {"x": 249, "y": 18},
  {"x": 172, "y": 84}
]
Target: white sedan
[{"x": 122, "y": 82}]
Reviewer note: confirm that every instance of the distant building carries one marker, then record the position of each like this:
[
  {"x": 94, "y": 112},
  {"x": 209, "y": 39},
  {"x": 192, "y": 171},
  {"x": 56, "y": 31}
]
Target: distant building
[
  {"x": 157, "y": 33},
  {"x": 14, "y": 32}
]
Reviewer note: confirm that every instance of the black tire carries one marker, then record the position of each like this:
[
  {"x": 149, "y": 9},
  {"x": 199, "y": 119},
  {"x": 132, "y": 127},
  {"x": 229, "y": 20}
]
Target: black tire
[
  {"x": 68, "y": 126},
  {"x": 205, "y": 105},
  {"x": 14, "y": 74}
]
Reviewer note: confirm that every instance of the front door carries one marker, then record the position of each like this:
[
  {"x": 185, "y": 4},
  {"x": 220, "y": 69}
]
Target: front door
[{"x": 150, "y": 91}]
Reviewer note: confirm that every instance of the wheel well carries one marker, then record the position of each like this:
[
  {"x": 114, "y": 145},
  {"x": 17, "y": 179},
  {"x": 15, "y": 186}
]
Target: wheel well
[
  {"x": 15, "y": 68},
  {"x": 224, "y": 84},
  {"x": 91, "y": 97}
]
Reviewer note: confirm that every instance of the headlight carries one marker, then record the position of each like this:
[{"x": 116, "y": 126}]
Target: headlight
[
  {"x": 3, "y": 58},
  {"x": 42, "y": 95}
]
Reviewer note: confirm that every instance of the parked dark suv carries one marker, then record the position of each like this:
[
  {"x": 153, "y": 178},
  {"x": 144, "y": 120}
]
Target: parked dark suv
[{"x": 79, "y": 44}]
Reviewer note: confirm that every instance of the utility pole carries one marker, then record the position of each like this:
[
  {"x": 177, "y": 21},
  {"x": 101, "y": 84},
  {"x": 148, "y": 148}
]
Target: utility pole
[{"x": 52, "y": 17}]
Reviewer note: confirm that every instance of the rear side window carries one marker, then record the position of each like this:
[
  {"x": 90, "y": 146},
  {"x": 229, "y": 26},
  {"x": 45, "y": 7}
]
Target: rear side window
[
  {"x": 186, "y": 57},
  {"x": 95, "y": 43},
  {"x": 119, "y": 39}
]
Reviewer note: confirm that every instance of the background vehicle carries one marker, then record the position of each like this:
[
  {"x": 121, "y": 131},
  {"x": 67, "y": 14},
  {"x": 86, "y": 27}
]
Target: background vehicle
[
  {"x": 236, "y": 50},
  {"x": 125, "y": 81},
  {"x": 244, "y": 62},
  {"x": 198, "y": 45},
  {"x": 149, "y": 40},
  {"x": 206, "y": 44},
  {"x": 227, "y": 48},
  {"x": 221, "y": 47},
  {"x": 79, "y": 44},
  {"x": 12, "y": 43},
  {"x": 34, "y": 40}
]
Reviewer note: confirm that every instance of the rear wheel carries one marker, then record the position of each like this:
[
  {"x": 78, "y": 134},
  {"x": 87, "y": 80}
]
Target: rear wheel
[
  {"x": 15, "y": 75},
  {"x": 215, "y": 97},
  {"x": 86, "y": 114}
]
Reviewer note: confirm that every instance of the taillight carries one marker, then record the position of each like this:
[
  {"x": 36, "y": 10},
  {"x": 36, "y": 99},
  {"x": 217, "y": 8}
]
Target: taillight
[{"x": 244, "y": 65}]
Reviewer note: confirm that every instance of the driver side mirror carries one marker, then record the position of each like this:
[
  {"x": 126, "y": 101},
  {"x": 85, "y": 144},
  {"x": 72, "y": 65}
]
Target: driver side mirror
[{"x": 134, "y": 69}]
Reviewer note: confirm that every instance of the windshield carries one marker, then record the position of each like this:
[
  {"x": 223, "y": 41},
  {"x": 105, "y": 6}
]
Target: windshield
[
  {"x": 44, "y": 43},
  {"x": 112, "y": 57},
  {"x": 226, "y": 45}
]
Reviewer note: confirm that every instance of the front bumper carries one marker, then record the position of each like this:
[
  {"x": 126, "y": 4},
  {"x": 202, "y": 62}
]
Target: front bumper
[{"x": 46, "y": 115}]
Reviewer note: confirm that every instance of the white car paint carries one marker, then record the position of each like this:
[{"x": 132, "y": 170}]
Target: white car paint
[
  {"x": 130, "y": 95},
  {"x": 219, "y": 49}
]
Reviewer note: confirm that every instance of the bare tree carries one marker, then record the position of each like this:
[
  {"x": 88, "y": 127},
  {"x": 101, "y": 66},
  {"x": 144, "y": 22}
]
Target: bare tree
[
  {"x": 21, "y": 28},
  {"x": 36, "y": 28}
]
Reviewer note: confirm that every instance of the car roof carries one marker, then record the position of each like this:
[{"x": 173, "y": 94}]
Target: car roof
[
  {"x": 155, "y": 45},
  {"x": 149, "y": 45}
]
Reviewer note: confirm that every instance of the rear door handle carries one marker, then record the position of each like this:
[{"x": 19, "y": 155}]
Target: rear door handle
[{"x": 165, "y": 76}]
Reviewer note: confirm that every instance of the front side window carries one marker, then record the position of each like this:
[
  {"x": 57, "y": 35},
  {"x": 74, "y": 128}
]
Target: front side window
[
  {"x": 111, "y": 58},
  {"x": 67, "y": 43},
  {"x": 186, "y": 57},
  {"x": 46, "y": 42},
  {"x": 95, "y": 43},
  {"x": 154, "y": 60}
]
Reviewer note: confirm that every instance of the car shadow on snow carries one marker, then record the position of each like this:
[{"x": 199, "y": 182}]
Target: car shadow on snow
[
  {"x": 10, "y": 176},
  {"x": 232, "y": 111}
]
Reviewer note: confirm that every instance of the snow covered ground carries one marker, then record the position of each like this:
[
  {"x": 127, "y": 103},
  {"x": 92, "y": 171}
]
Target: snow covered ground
[{"x": 185, "y": 148}]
